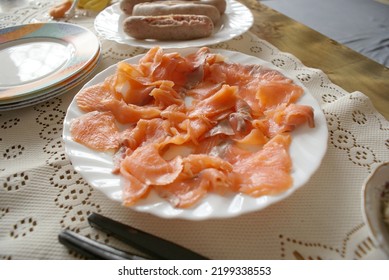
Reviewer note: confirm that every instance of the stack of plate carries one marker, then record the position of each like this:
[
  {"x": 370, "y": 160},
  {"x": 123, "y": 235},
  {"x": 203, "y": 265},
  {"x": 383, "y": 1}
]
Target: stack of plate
[{"x": 40, "y": 61}]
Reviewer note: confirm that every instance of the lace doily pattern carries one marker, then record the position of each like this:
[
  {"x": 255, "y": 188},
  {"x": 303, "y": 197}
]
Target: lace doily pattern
[{"x": 41, "y": 193}]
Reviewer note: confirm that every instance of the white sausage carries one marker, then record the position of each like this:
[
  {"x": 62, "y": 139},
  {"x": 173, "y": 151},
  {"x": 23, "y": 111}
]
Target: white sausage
[
  {"x": 176, "y": 8},
  {"x": 168, "y": 27}
]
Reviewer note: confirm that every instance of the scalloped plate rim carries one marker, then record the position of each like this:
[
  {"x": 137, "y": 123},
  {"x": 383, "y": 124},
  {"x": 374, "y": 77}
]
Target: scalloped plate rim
[{"x": 237, "y": 20}]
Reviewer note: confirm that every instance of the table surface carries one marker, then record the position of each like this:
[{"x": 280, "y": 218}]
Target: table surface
[
  {"x": 362, "y": 25},
  {"x": 41, "y": 193},
  {"x": 344, "y": 66}
]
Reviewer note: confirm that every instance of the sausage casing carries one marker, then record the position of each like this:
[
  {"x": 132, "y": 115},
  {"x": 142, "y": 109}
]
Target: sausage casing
[
  {"x": 127, "y": 5},
  {"x": 176, "y": 8},
  {"x": 221, "y": 5},
  {"x": 168, "y": 27}
]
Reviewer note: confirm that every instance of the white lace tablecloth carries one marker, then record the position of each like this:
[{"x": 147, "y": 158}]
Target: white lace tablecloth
[{"x": 41, "y": 194}]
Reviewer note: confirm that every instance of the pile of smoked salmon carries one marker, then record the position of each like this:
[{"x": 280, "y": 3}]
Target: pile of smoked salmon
[{"x": 193, "y": 124}]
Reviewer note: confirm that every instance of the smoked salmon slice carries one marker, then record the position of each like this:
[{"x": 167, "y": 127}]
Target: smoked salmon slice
[
  {"x": 187, "y": 191},
  {"x": 96, "y": 130},
  {"x": 133, "y": 189},
  {"x": 183, "y": 193},
  {"x": 193, "y": 125},
  {"x": 129, "y": 113},
  {"x": 185, "y": 72},
  {"x": 200, "y": 174},
  {"x": 91, "y": 98},
  {"x": 285, "y": 119},
  {"x": 266, "y": 171},
  {"x": 165, "y": 95},
  {"x": 274, "y": 94},
  {"x": 147, "y": 166},
  {"x": 134, "y": 87},
  {"x": 220, "y": 103}
]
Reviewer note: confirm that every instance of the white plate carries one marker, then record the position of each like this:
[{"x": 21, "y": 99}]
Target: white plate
[
  {"x": 308, "y": 147},
  {"x": 39, "y": 55},
  {"x": 236, "y": 20}
]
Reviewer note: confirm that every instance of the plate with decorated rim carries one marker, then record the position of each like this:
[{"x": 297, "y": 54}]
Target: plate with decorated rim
[
  {"x": 37, "y": 56},
  {"x": 47, "y": 94}
]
